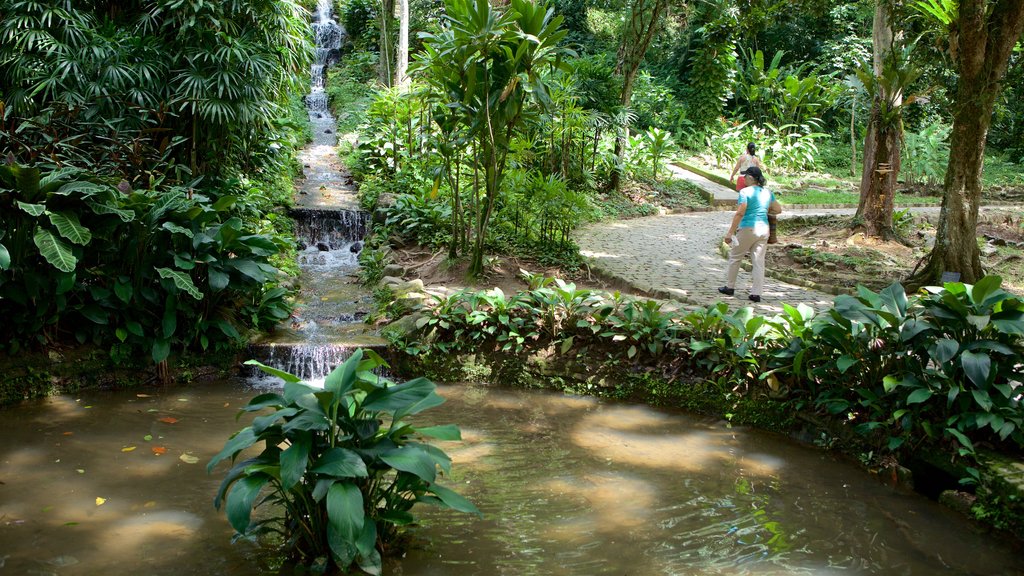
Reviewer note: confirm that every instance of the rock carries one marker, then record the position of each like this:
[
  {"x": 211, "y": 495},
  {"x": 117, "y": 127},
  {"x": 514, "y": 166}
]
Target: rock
[
  {"x": 989, "y": 250},
  {"x": 391, "y": 280},
  {"x": 959, "y": 501},
  {"x": 355, "y": 248},
  {"x": 322, "y": 246},
  {"x": 328, "y": 131},
  {"x": 395, "y": 270},
  {"x": 302, "y": 246},
  {"x": 360, "y": 314},
  {"x": 409, "y": 287},
  {"x": 411, "y": 300}
]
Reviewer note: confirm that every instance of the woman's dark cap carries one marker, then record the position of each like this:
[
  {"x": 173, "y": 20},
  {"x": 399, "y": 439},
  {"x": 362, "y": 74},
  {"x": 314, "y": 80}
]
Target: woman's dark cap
[{"x": 753, "y": 171}]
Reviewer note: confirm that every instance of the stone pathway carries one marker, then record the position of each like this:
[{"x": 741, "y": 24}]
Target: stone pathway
[{"x": 677, "y": 256}]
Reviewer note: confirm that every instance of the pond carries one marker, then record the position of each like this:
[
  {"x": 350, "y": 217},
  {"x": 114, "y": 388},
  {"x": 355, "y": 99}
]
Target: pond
[{"x": 115, "y": 483}]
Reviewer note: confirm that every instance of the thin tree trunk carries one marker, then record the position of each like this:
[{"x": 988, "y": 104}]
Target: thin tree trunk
[
  {"x": 402, "y": 64},
  {"x": 645, "y": 19},
  {"x": 384, "y": 71}
]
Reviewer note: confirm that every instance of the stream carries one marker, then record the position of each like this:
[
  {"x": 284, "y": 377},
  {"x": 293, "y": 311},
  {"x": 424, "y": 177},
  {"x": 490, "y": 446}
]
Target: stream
[{"x": 115, "y": 483}]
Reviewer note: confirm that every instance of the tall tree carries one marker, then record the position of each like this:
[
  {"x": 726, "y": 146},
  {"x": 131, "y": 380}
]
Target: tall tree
[
  {"x": 644, "y": 20},
  {"x": 386, "y": 59},
  {"x": 982, "y": 36},
  {"x": 885, "y": 126}
]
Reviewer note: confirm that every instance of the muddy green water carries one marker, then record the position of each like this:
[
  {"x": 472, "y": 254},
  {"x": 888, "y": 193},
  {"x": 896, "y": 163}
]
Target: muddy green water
[{"x": 568, "y": 486}]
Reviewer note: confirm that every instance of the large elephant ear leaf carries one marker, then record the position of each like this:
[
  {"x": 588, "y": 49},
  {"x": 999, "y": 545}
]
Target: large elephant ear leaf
[
  {"x": 182, "y": 281},
  {"x": 69, "y": 227},
  {"x": 5, "y": 258},
  {"x": 55, "y": 251}
]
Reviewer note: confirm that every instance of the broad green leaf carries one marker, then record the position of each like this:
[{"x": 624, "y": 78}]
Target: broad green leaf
[
  {"x": 294, "y": 459},
  {"x": 103, "y": 209},
  {"x": 174, "y": 228},
  {"x": 944, "y": 350},
  {"x": 83, "y": 188},
  {"x": 32, "y": 209},
  {"x": 985, "y": 287},
  {"x": 889, "y": 383},
  {"x": 449, "y": 499},
  {"x": 55, "y": 251},
  {"x": 445, "y": 432},
  {"x": 124, "y": 291},
  {"x": 342, "y": 378},
  {"x": 241, "y": 498},
  {"x": 182, "y": 281},
  {"x": 413, "y": 460},
  {"x": 69, "y": 227},
  {"x": 287, "y": 377},
  {"x": 844, "y": 362},
  {"x": 977, "y": 366},
  {"x": 918, "y": 396},
  {"x": 341, "y": 463},
  {"x": 95, "y": 314},
  {"x": 240, "y": 441},
  {"x": 5, "y": 258},
  {"x": 368, "y": 558},
  {"x": 983, "y": 399},
  {"x": 219, "y": 279},
  {"x": 1009, "y": 322},
  {"x": 964, "y": 440},
  {"x": 161, "y": 350},
  {"x": 399, "y": 397},
  {"x": 345, "y": 518}
]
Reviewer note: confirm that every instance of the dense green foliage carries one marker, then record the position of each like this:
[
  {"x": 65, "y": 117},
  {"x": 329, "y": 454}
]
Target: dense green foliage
[
  {"x": 340, "y": 465},
  {"x": 147, "y": 149},
  {"x": 940, "y": 368}
]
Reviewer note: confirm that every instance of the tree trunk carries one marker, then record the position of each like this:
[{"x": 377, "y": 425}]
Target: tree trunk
[
  {"x": 878, "y": 181},
  {"x": 384, "y": 62},
  {"x": 986, "y": 33},
  {"x": 402, "y": 58},
  {"x": 883, "y": 141},
  {"x": 644, "y": 21}
]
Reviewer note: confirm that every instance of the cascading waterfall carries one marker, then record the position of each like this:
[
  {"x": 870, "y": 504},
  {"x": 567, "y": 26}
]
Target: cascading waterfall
[
  {"x": 327, "y": 323},
  {"x": 328, "y": 36}
]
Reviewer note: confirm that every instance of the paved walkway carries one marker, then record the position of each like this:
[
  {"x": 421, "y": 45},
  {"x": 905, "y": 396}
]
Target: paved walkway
[{"x": 677, "y": 256}]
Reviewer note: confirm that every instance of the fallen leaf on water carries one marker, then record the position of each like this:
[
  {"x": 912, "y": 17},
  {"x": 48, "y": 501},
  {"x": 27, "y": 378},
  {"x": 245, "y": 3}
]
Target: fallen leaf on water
[
  {"x": 188, "y": 459},
  {"x": 127, "y": 448},
  {"x": 88, "y": 407},
  {"x": 69, "y": 433},
  {"x": 167, "y": 420},
  {"x": 80, "y": 470},
  {"x": 143, "y": 396},
  {"x": 47, "y": 508},
  {"x": 158, "y": 450},
  {"x": 100, "y": 501},
  {"x": 149, "y": 504},
  {"x": 152, "y": 410},
  {"x": 182, "y": 399},
  {"x": 71, "y": 523},
  {"x": 148, "y": 437},
  {"x": 226, "y": 404}
]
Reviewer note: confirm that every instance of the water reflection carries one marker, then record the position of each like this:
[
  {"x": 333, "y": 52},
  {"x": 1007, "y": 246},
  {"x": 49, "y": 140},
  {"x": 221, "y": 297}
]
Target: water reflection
[{"x": 568, "y": 486}]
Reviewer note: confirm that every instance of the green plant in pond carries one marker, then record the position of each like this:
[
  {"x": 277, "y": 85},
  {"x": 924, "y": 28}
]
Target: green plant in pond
[{"x": 340, "y": 466}]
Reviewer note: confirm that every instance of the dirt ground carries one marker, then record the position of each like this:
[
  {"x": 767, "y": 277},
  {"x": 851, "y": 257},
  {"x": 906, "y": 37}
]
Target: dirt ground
[{"x": 827, "y": 251}]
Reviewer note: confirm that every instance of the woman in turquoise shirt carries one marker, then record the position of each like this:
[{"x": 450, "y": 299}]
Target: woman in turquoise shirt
[{"x": 748, "y": 232}]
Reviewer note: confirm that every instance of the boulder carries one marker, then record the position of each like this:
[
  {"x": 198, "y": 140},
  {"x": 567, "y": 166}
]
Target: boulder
[{"x": 394, "y": 270}]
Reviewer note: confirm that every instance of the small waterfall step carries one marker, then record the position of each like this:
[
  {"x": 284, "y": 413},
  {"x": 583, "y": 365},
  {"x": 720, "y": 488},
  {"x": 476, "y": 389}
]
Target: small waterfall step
[{"x": 310, "y": 362}]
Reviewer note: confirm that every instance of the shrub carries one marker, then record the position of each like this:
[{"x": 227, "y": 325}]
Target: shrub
[{"x": 341, "y": 464}]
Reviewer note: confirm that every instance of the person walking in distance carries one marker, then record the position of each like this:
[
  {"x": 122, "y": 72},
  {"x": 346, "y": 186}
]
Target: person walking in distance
[
  {"x": 747, "y": 160},
  {"x": 748, "y": 232}
]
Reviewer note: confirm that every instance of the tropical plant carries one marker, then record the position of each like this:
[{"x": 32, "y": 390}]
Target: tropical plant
[
  {"x": 485, "y": 65},
  {"x": 927, "y": 154},
  {"x": 341, "y": 466}
]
